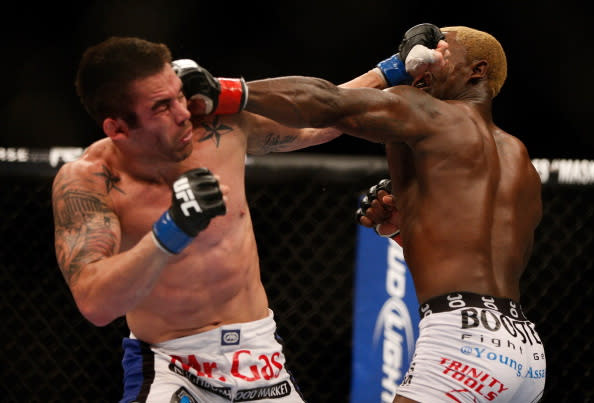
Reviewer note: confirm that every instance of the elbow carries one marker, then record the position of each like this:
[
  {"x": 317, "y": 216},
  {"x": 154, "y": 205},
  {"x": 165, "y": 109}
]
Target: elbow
[{"x": 94, "y": 311}]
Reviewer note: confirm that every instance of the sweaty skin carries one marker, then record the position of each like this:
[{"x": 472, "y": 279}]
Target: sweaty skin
[
  {"x": 467, "y": 193},
  {"x": 106, "y": 202}
]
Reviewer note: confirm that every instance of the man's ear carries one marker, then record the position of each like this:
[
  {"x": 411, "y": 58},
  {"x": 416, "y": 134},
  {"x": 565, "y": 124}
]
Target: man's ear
[
  {"x": 115, "y": 129},
  {"x": 479, "y": 69}
]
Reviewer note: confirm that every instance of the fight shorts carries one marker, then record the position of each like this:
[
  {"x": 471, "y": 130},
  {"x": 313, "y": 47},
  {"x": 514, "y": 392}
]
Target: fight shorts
[
  {"x": 475, "y": 348},
  {"x": 241, "y": 362}
]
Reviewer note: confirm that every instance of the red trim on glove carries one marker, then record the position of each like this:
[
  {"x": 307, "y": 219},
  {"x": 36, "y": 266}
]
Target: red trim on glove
[
  {"x": 397, "y": 239},
  {"x": 232, "y": 96}
]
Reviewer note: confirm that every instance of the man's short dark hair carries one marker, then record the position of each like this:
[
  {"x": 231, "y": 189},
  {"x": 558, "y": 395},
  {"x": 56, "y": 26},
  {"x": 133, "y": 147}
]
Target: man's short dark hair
[{"x": 107, "y": 69}]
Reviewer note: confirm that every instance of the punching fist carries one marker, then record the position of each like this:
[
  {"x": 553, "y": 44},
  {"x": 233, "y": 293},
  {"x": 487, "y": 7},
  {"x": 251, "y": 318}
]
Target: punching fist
[
  {"x": 425, "y": 34},
  {"x": 220, "y": 95},
  {"x": 393, "y": 69},
  {"x": 374, "y": 212},
  {"x": 196, "y": 199}
]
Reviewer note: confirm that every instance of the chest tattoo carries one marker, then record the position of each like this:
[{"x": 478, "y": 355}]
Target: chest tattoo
[{"x": 214, "y": 130}]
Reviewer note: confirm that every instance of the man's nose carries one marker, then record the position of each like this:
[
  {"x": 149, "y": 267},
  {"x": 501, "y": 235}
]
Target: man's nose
[{"x": 181, "y": 111}]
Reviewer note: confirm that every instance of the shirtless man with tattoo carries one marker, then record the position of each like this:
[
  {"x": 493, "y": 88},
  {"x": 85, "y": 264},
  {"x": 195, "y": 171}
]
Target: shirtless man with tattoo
[{"x": 152, "y": 223}]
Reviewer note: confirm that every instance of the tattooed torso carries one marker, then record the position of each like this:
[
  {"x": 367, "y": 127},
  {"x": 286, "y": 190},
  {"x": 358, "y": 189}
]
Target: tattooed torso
[{"x": 101, "y": 210}]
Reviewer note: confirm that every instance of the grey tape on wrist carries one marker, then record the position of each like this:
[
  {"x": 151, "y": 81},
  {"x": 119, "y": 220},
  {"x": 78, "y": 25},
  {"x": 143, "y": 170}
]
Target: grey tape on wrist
[{"x": 376, "y": 228}]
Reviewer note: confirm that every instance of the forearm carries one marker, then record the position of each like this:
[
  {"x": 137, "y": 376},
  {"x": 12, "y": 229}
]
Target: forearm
[
  {"x": 266, "y": 135},
  {"x": 110, "y": 287},
  {"x": 294, "y": 101},
  {"x": 371, "y": 79}
]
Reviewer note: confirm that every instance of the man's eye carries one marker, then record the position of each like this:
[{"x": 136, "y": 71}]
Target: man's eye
[{"x": 162, "y": 108}]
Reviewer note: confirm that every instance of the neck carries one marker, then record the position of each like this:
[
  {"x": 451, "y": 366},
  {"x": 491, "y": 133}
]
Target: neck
[
  {"x": 479, "y": 98},
  {"x": 145, "y": 167}
]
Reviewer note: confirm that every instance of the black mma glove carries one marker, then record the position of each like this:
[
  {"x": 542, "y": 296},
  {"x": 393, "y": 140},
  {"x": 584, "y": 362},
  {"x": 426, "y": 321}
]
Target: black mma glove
[
  {"x": 365, "y": 203},
  {"x": 221, "y": 95},
  {"x": 393, "y": 68},
  {"x": 196, "y": 199}
]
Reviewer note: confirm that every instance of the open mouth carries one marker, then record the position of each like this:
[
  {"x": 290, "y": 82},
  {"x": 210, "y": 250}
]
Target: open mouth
[
  {"x": 188, "y": 136},
  {"x": 423, "y": 81}
]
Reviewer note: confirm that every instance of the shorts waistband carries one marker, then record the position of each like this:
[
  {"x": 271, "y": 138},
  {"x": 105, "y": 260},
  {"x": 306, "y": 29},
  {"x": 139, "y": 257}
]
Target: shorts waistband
[
  {"x": 459, "y": 300},
  {"x": 234, "y": 334}
]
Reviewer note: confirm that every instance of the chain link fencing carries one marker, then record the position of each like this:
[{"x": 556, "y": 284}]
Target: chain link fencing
[{"x": 303, "y": 213}]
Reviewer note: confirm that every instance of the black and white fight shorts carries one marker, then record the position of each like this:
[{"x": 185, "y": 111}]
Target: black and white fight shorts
[
  {"x": 241, "y": 362},
  {"x": 475, "y": 348}
]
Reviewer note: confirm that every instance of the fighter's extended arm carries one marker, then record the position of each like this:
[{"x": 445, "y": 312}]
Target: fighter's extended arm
[
  {"x": 397, "y": 114},
  {"x": 266, "y": 135},
  {"x": 223, "y": 96}
]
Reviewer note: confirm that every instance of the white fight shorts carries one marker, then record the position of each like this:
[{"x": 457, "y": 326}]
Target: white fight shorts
[
  {"x": 475, "y": 348},
  {"x": 241, "y": 362}
]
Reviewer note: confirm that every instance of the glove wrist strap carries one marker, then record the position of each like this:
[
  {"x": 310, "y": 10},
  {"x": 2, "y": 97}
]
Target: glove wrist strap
[
  {"x": 395, "y": 236},
  {"x": 376, "y": 228},
  {"x": 168, "y": 236},
  {"x": 394, "y": 71},
  {"x": 233, "y": 96}
]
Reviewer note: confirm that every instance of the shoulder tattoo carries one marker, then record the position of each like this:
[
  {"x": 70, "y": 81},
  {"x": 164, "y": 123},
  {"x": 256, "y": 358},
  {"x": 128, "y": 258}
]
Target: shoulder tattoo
[{"x": 110, "y": 179}]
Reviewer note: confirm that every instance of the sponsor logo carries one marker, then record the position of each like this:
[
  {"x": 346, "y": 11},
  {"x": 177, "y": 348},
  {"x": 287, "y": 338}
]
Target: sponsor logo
[
  {"x": 484, "y": 354},
  {"x": 492, "y": 341},
  {"x": 59, "y": 155},
  {"x": 245, "y": 364},
  {"x": 456, "y": 301},
  {"x": 472, "y": 379},
  {"x": 270, "y": 368},
  {"x": 565, "y": 171},
  {"x": 230, "y": 337},
  {"x": 198, "y": 381},
  {"x": 181, "y": 188},
  {"x": 276, "y": 391},
  {"x": 182, "y": 396},
  {"x": 394, "y": 327},
  {"x": 493, "y": 322},
  {"x": 11, "y": 154}
]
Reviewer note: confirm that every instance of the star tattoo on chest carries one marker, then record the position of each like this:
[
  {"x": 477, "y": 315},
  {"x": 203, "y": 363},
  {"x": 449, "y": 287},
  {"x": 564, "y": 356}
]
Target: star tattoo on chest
[
  {"x": 214, "y": 130},
  {"x": 110, "y": 180}
]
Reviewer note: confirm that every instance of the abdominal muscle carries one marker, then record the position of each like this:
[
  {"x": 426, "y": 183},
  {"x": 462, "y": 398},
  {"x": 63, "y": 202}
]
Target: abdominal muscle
[{"x": 215, "y": 281}]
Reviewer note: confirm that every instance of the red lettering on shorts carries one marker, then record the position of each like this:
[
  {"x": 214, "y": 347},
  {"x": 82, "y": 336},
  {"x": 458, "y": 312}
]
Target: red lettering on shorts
[
  {"x": 235, "y": 368},
  {"x": 202, "y": 369},
  {"x": 267, "y": 371},
  {"x": 267, "y": 367},
  {"x": 276, "y": 363},
  {"x": 476, "y": 380}
]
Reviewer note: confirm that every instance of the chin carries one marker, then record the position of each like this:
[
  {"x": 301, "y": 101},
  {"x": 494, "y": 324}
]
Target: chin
[
  {"x": 185, "y": 152},
  {"x": 180, "y": 156}
]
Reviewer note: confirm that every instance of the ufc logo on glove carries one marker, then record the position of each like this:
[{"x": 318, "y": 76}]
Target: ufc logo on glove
[{"x": 182, "y": 190}]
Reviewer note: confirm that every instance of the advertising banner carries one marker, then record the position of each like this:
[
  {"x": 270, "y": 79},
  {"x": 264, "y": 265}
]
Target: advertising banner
[{"x": 385, "y": 324}]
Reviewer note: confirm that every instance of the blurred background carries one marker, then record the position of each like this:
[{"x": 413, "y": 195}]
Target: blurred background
[{"x": 546, "y": 100}]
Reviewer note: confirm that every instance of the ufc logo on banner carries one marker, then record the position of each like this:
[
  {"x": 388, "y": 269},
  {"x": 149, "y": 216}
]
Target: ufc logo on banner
[{"x": 182, "y": 190}]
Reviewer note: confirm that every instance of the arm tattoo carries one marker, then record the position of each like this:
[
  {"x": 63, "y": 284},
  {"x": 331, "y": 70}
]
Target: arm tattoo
[
  {"x": 214, "y": 130},
  {"x": 84, "y": 229},
  {"x": 275, "y": 142}
]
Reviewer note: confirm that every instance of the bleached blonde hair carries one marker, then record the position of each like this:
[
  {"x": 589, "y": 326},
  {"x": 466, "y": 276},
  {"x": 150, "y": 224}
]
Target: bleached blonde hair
[{"x": 480, "y": 45}]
